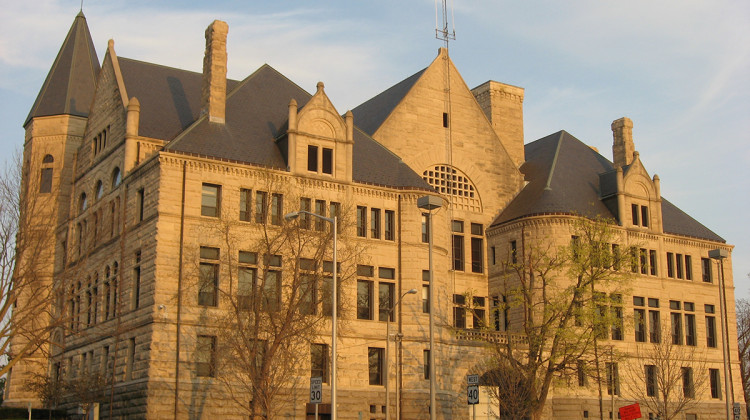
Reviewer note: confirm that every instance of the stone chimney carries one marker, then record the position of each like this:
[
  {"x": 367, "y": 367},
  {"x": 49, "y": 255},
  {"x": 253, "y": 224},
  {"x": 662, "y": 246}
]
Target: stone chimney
[
  {"x": 503, "y": 106},
  {"x": 622, "y": 147},
  {"x": 214, "y": 88}
]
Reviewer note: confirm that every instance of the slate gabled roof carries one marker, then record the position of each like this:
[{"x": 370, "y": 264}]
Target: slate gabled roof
[
  {"x": 70, "y": 83},
  {"x": 170, "y": 98},
  {"x": 563, "y": 177},
  {"x": 370, "y": 115}
]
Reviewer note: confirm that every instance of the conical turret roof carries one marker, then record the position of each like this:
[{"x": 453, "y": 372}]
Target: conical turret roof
[{"x": 69, "y": 87}]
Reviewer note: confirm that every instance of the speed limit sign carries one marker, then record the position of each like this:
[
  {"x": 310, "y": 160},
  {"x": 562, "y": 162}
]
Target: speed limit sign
[
  {"x": 472, "y": 394},
  {"x": 316, "y": 390}
]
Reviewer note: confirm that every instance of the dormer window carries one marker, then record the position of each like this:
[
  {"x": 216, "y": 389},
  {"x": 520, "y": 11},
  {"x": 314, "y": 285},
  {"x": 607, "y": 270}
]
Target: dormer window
[
  {"x": 640, "y": 215},
  {"x": 319, "y": 159}
]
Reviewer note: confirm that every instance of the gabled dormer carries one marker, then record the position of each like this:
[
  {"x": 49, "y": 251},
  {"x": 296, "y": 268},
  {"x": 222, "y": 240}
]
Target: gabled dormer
[
  {"x": 319, "y": 141},
  {"x": 638, "y": 195}
]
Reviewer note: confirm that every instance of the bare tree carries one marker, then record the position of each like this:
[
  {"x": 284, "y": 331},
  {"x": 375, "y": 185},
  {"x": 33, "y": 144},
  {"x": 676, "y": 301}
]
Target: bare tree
[
  {"x": 566, "y": 298},
  {"x": 277, "y": 300},
  {"x": 661, "y": 376},
  {"x": 743, "y": 336}
]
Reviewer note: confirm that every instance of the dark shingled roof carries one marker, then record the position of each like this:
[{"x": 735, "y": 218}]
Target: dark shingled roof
[
  {"x": 371, "y": 114},
  {"x": 564, "y": 177},
  {"x": 256, "y": 116},
  {"x": 69, "y": 87},
  {"x": 170, "y": 98}
]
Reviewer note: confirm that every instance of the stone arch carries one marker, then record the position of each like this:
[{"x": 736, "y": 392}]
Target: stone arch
[{"x": 454, "y": 183}]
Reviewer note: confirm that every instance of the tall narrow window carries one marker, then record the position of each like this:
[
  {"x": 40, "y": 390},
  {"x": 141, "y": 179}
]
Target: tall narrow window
[
  {"x": 676, "y": 328},
  {"x": 390, "y": 225},
  {"x": 634, "y": 211},
  {"x": 210, "y": 200},
  {"x": 715, "y": 380},
  {"x": 364, "y": 299},
  {"x": 205, "y": 356},
  {"x": 247, "y": 274},
  {"x": 385, "y": 301},
  {"x": 312, "y": 158},
  {"x": 690, "y": 336},
  {"x": 478, "y": 312},
  {"x": 654, "y": 326},
  {"x": 670, "y": 264},
  {"x": 426, "y": 363},
  {"x": 130, "y": 360},
  {"x": 272, "y": 283},
  {"x": 246, "y": 204},
  {"x": 706, "y": 270},
  {"x": 209, "y": 276},
  {"x": 361, "y": 221},
  {"x": 425, "y": 299},
  {"x": 513, "y": 252},
  {"x": 375, "y": 223},
  {"x": 261, "y": 206},
  {"x": 688, "y": 267},
  {"x": 639, "y": 320},
  {"x": 644, "y": 216},
  {"x": 477, "y": 248},
  {"x": 711, "y": 331},
  {"x": 277, "y": 209},
  {"x": 613, "y": 379},
  {"x": 679, "y": 266},
  {"x": 137, "y": 280},
  {"x": 140, "y": 202},
  {"x": 319, "y": 361},
  {"x": 304, "y": 219},
  {"x": 425, "y": 228},
  {"x": 459, "y": 311},
  {"x": 650, "y": 371},
  {"x": 688, "y": 388},
  {"x": 375, "y": 365},
  {"x": 116, "y": 178},
  {"x": 458, "y": 245},
  {"x": 45, "y": 182},
  {"x": 327, "y": 160},
  {"x": 320, "y": 209}
]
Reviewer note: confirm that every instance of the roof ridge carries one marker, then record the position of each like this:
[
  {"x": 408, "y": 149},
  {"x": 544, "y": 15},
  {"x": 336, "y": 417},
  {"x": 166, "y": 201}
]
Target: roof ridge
[{"x": 547, "y": 186}]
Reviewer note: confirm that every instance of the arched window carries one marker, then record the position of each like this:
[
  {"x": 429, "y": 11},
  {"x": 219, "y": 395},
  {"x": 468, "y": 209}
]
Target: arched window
[
  {"x": 99, "y": 189},
  {"x": 82, "y": 203},
  {"x": 116, "y": 178},
  {"x": 454, "y": 183},
  {"x": 45, "y": 181}
]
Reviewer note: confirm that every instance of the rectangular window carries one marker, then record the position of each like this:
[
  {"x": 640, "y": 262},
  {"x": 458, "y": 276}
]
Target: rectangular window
[
  {"x": 613, "y": 379},
  {"x": 131, "y": 359},
  {"x": 676, "y": 328},
  {"x": 210, "y": 200},
  {"x": 679, "y": 266},
  {"x": 715, "y": 379},
  {"x": 706, "y": 270},
  {"x": 711, "y": 331},
  {"x": 375, "y": 365},
  {"x": 617, "y": 323},
  {"x": 477, "y": 248},
  {"x": 670, "y": 264},
  {"x": 639, "y": 319},
  {"x": 581, "y": 372},
  {"x": 478, "y": 312},
  {"x": 690, "y": 336},
  {"x": 246, "y": 204},
  {"x": 375, "y": 223},
  {"x": 513, "y": 252},
  {"x": 644, "y": 216},
  {"x": 445, "y": 119},
  {"x": 426, "y": 363},
  {"x": 688, "y": 267},
  {"x": 272, "y": 290},
  {"x": 459, "y": 312},
  {"x": 362, "y": 221},
  {"x": 45, "y": 184},
  {"x": 277, "y": 209},
  {"x": 644, "y": 261},
  {"x": 320, "y": 209},
  {"x": 140, "y": 202},
  {"x": 261, "y": 206},
  {"x": 246, "y": 279},
  {"x": 304, "y": 219},
  {"x": 319, "y": 361},
  {"x": 327, "y": 161},
  {"x": 307, "y": 294},
  {"x": 634, "y": 211},
  {"x": 312, "y": 158},
  {"x": 334, "y": 211},
  {"x": 385, "y": 301},
  {"x": 205, "y": 354},
  {"x": 364, "y": 299},
  {"x": 425, "y": 228},
  {"x": 654, "y": 326},
  {"x": 650, "y": 380},
  {"x": 688, "y": 388},
  {"x": 209, "y": 276},
  {"x": 137, "y": 280},
  {"x": 390, "y": 225},
  {"x": 458, "y": 245}
]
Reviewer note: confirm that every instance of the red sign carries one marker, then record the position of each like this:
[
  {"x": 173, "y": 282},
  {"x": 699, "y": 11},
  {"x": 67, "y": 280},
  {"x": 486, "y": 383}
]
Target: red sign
[{"x": 630, "y": 412}]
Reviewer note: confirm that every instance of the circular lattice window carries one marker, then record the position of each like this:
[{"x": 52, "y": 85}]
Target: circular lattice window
[{"x": 454, "y": 183}]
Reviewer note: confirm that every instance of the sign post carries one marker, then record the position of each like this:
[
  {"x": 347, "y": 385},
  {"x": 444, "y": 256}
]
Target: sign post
[
  {"x": 316, "y": 393},
  {"x": 630, "y": 412},
  {"x": 472, "y": 393}
]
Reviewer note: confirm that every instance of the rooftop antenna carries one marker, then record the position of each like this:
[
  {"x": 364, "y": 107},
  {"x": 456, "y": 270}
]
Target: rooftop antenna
[
  {"x": 442, "y": 32},
  {"x": 81, "y": 5}
]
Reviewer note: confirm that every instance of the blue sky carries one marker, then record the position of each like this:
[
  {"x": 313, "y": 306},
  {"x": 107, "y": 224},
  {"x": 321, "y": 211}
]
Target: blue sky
[{"x": 680, "y": 69}]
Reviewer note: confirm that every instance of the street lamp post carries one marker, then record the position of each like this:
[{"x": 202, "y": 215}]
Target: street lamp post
[
  {"x": 387, "y": 350},
  {"x": 720, "y": 255},
  {"x": 334, "y": 297},
  {"x": 430, "y": 203}
]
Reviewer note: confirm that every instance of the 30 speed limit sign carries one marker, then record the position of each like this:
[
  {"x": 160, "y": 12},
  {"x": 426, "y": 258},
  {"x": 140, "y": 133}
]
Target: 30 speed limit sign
[
  {"x": 316, "y": 390},
  {"x": 472, "y": 394}
]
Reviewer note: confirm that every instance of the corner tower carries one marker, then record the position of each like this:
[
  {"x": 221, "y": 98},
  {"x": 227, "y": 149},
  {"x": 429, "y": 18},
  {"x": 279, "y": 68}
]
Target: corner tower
[{"x": 54, "y": 129}]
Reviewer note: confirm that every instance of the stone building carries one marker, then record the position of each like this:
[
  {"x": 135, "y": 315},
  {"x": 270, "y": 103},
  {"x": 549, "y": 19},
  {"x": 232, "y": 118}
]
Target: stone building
[{"x": 140, "y": 162}]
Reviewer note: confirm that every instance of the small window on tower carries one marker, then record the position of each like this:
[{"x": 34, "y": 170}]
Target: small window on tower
[{"x": 445, "y": 119}]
